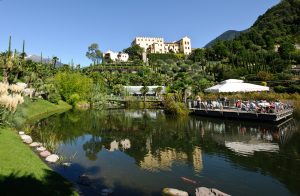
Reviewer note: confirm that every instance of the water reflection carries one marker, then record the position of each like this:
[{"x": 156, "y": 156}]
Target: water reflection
[
  {"x": 154, "y": 151},
  {"x": 164, "y": 159},
  {"x": 250, "y": 138},
  {"x": 250, "y": 147}
]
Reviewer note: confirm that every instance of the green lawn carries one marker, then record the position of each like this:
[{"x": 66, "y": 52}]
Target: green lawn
[{"x": 22, "y": 172}]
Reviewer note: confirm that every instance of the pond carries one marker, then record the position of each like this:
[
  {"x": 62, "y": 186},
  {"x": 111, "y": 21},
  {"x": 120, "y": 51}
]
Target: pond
[{"x": 140, "y": 152}]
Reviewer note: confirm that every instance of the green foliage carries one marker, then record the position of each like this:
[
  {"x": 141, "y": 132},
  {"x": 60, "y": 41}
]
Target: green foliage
[
  {"x": 203, "y": 84},
  {"x": 73, "y": 83},
  {"x": 286, "y": 49},
  {"x": 144, "y": 90},
  {"x": 169, "y": 56},
  {"x": 228, "y": 35},
  {"x": 38, "y": 109},
  {"x": 264, "y": 76},
  {"x": 4, "y": 116},
  {"x": 135, "y": 52},
  {"x": 280, "y": 89},
  {"x": 254, "y": 49},
  {"x": 118, "y": 89},
  {"x": 74, "y": 98},
  {"x": 293, "y": 88},
  {"x": 271, "y": 96},
  {"x": 94, "y": 53},
  {"x": 98, "y": 96},
  {"x": 197, "y": 55},
  {"x": 263, "y": 83},
  {"x": 158, "y": 90},
  {"x": 173, "y": 107}
]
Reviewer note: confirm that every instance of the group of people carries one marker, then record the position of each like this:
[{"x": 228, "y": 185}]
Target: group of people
[
  {"x": 260, "y": 106},
  {"x": 210, "y": 104}
]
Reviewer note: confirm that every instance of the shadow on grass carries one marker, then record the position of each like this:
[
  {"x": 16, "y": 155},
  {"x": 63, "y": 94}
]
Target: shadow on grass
[{"x": 51, "y": 184}]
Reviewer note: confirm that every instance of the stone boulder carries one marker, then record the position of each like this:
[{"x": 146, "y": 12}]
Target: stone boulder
[
  {"x": 52, "y": 158},
  {"x": 173, "y": 192},
  {"x": 45, "y": 153},
  {"x": 203, "y": 191},
  {"x": 41, "y": 148},
  {"x": 35, "y": 144},
  {"x": 21, "y": 133},
  {"x": 26, "y": 139}
]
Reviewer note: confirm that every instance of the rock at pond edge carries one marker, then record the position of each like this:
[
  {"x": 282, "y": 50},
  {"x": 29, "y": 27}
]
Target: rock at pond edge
[
  {"x": 45, "y": 153},
  {"x": 173, "y": 192},
  {"x": 52, "y": 158}
]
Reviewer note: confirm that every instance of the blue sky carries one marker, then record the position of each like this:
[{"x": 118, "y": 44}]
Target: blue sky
[{"x": 65, "y": 28}]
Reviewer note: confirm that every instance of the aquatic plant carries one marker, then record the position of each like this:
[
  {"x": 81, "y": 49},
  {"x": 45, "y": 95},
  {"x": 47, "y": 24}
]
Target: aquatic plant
[{"x": 174, "y": 107}]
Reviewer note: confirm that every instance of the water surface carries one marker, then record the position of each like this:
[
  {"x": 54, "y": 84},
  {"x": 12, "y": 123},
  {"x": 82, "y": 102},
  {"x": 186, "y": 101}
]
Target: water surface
[{"x": 140, "y": 152}]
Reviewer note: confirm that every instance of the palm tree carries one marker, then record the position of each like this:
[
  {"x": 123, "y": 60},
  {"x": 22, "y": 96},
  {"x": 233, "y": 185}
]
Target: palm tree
[
  {"x": 158, "y": 91},
  {"x": 144, "y": 90},
  {"x": 54, "y": 60}
]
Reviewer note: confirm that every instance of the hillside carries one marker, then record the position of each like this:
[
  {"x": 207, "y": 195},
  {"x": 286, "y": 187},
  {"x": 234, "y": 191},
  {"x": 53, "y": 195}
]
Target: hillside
[
  {"x": 279, "y": 24},
  {"x": 228, "y": 35}
]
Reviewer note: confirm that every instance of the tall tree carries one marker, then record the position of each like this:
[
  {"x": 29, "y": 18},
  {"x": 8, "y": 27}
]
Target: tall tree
[
  {"x": 7, "y": 62},
  {"x": 94, "y": 53},
  {"x": 23, "y": 54},
  {"x": 54, "y": 60},
  {"x": 135, "y": 52},
  {"x": 144, "y": 90}
]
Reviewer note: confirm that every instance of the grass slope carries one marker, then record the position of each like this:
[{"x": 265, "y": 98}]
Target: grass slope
[
  {"x": 21, "y": 171},
  {"x": 31, "y": 111}
]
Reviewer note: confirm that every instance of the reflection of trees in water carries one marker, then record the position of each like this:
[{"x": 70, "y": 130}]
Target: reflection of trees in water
[
  {"x": 283, "y": 165},
  {"x": 92, "y": 147},
  {"x": 156, "y": 141},
  {"x": 222, "y": 131},
  {"x": 151, "y": 129},
  {"x": 164, "y": 158}
]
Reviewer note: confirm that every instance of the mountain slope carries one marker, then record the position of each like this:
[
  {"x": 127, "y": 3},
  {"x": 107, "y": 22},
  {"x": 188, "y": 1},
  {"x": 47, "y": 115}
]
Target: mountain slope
[
  {"x": 228, "y": 35},
  {"x": 36, "y": 58},
  {"x": 279, "y": 24}
]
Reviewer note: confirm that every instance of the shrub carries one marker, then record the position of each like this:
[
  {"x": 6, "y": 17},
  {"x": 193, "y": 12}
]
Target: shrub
[
  {"x": 173, "y": 107},
  {"x": 293, "y": 89},
  {"x": 279, "y": 89},
  {"x": 74, "y": 98},
  {"x": 264, "y": 83},
  {"x": 73, "y": 83}
]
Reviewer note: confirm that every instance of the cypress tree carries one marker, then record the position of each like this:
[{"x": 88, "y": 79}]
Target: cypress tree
[
  {"x": 9, "y": 47},
  {"x": 23, "y": 50}
]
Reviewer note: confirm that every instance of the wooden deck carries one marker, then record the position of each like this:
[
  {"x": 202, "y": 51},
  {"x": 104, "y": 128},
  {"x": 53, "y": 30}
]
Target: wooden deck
[{"x": 244, "y": 115}]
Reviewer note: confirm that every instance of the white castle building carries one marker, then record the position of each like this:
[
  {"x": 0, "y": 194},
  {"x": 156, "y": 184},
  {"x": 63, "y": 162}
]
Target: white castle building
[
  {"x": 116, "y": 56},
  {"x": 158, "y": 45}
]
